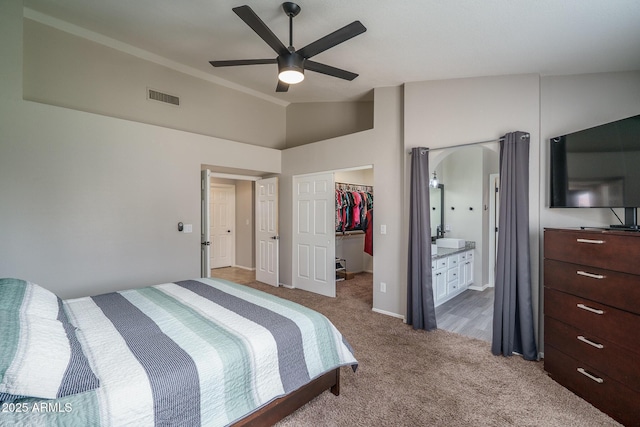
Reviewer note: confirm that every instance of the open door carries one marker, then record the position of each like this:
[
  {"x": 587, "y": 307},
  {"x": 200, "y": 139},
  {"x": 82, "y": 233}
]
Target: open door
[
  {"x": 205, "y": 239},
  {"x": 267, "y": 239},
  {"x": 314, "y": 234}
]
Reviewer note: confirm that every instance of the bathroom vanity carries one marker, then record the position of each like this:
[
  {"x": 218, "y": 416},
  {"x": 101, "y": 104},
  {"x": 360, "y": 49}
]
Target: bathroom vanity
[{"x": 452, "y": 271}]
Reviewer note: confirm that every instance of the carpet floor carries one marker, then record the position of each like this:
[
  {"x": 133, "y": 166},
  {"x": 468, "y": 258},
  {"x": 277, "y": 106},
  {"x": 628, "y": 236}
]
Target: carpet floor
[{"x": 437, "y": 378}]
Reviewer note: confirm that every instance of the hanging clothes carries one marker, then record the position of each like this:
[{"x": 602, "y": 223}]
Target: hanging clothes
[
  {"x": 368, "y": 233},
  {"x": 352, "y": 204}
]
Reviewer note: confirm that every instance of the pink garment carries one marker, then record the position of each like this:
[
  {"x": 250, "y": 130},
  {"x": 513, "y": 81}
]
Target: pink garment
[{"x": 357, "y": 198}]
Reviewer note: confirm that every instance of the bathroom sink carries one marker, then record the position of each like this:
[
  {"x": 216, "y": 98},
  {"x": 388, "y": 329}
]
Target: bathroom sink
[{"x": 451, "y": 243}]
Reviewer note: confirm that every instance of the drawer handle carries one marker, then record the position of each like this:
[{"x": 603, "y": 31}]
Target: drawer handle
[
  {"x": 593, "y": 276},
  {"x": 593, "y": 310},
  {"x": 595, "y": 344},
  {"x": 588, "y": 375},
  {"x": 595, "y": 242}
]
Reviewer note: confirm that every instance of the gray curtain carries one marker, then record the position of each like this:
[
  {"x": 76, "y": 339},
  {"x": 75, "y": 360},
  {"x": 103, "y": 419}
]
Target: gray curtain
[
  {"x": 420, "y": 311},
  {"x": 513, "y": 329}
]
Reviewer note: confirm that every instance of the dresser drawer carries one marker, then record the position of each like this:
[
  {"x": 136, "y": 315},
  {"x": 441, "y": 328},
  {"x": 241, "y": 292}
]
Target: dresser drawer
[
  {"x": 616, "y": 251},
  {"x": 616, "y": 326},
  {"x": 616, "y": 289},
  {"x": 611, "y": 397},
  {"x": 608, "y": 358}
]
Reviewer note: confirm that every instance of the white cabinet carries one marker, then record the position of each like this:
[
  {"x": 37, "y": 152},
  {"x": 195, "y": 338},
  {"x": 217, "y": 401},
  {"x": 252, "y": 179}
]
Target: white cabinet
[
  {"x": 451, "y": 275},
  {"x": 466, "y": 269},
  {"x": 439, "y": 279}
]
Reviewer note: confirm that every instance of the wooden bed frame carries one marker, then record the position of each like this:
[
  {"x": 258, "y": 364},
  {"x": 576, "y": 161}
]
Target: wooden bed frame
[{"x": 286, "y": 405}]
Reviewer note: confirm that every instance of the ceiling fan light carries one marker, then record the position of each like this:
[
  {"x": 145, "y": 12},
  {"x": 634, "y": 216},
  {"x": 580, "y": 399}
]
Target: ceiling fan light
[
  {"x": 291, "y": 76},
  {"x": 291, "y": 69}
]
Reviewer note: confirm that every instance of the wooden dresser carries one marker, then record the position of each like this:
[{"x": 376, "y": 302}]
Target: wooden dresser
[{"x": 592, "y": 317}]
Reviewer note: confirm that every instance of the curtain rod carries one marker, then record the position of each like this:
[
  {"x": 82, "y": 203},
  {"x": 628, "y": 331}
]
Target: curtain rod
[{"x": 526, "y": 135}]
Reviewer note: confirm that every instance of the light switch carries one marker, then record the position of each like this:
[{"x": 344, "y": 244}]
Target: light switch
[
  {"x": 383, "y": 229},
  {"x": 188, "y": 228}
]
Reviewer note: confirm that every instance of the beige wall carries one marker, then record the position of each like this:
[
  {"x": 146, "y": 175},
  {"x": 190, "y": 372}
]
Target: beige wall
[
  {"x": 572, "y": 103},
  {"x": 245, "y": 224},
  {"x": 70, "y": 71},
  {"x": 450, "y": 112},
  {"x": 317, "y": 121},
  {"x": 91, "y": 203},
  {"x": 382, "y": 148}
]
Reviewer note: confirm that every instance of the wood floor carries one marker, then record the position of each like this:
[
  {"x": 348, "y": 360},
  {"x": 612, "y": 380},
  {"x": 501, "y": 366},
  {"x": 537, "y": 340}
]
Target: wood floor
[
  {"x": 234, "y": 274},
  {"x": 469, "y": 313}
]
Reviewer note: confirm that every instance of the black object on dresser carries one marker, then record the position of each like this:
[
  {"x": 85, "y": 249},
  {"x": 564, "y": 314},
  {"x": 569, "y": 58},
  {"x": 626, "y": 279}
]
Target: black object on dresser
[{"x": 592, "y": 317}]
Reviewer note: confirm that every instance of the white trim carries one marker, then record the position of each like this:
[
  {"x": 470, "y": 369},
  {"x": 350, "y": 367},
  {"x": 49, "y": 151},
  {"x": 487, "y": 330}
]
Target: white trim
[
  {"x": 287, "y": 286},
  {"x": 492, "y": 256},
  {"x": 388, "y": 313},
  {"x": 480, "y": 288},
  {"x": 141, "y": 53},
  {"x": 237, "y": 177},
  {"x": 244, "y": 268}
]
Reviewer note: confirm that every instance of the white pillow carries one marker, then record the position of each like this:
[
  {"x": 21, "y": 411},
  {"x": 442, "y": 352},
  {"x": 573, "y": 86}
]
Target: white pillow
[{"x": 40, "y": 355}]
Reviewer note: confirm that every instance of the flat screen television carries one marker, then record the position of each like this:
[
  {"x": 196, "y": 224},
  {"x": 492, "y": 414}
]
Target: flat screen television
[{"x": 598, "y": 167}]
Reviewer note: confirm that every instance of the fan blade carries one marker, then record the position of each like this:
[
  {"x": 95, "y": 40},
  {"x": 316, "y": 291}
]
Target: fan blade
[
  {"x": 282, "y": 86},
  {"x": 330, "y": 40},
  {"x": 235, "y": 62},
  {"x": 252, "y": 20},
  {"x": 329, "y": 70}
]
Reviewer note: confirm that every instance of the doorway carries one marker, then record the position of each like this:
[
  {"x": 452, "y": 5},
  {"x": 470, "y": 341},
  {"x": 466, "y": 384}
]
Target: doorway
[
  {"x": 324, "y": 255},
  {"x": 235, "y": 221},
  {"x": 468, "y": 175}
]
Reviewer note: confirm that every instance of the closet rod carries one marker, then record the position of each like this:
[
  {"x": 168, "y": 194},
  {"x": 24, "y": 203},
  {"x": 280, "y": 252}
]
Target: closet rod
[{"x": 526, "y": 135}]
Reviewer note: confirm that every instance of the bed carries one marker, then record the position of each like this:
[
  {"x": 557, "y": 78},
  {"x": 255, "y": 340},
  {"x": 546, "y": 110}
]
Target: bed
[{"x": 196, "y": 352}]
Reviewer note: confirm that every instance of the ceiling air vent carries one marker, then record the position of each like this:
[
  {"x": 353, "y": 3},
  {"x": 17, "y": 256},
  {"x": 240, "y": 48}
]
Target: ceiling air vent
[{"x": 155, "y": 95}]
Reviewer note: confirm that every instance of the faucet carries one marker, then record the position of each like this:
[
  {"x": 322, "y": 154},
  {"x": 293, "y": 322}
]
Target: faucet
[{"x": 439, "y": 232}]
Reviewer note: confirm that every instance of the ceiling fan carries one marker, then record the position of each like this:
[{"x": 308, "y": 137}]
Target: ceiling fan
[{"x": 292, "y": 62}]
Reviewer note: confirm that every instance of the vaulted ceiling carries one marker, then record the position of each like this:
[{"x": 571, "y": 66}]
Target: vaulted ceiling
[{"x": 405, "y": 41}]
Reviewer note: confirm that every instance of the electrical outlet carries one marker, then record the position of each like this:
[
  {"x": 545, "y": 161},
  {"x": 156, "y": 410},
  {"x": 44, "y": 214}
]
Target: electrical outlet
[
  {"x": 447, "y": 227},
  {"x": 383, "y": 287}
]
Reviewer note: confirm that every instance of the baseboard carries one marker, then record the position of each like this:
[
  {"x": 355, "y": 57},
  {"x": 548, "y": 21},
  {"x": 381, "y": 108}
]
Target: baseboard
[
  {"x": 244, "y": 268},
  {"x": 287, "y": 286},
  {"x": 388, "y": 313},
  {"x": 480, "y": 288},
  {"x": 367, "y": 271}
]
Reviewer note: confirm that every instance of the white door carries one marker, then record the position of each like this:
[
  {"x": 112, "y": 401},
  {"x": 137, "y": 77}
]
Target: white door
[
  {"x": 222, "y": 225},
  {"x": 314, "y": 234},
  {"x": 205, "y": 237},
  {"x": 267, "y": 239}
]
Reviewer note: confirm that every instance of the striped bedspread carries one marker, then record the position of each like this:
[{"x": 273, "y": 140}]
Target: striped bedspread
[{"x": 197, "y": 352}]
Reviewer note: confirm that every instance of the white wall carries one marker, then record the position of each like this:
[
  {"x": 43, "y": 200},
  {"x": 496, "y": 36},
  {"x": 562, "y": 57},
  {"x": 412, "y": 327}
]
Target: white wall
[
  {"x": 91, "y": 203},
  {"x": 463, "y": 178},
  {"x": 380, "y": 147}
]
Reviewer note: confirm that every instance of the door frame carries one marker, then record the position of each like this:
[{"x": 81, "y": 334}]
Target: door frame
[
  {"x": 333, "y": 237},
  {"x": 205, "y": 210},
  {"x": 494, "y": 198}
]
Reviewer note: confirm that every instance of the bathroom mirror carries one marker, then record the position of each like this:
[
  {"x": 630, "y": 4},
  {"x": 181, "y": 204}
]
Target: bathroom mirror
[{"x": 436, "y": 201}]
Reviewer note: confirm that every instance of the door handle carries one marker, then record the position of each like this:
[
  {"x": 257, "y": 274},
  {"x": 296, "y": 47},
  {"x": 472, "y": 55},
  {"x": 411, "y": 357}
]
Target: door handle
[
  {"x": 206, "y": 243},
  {"x": 275, "y": 237},
  {"x": 228, "y": 231}
]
